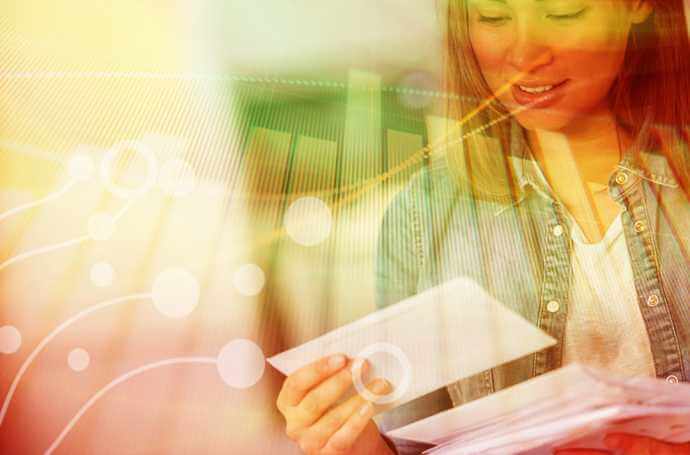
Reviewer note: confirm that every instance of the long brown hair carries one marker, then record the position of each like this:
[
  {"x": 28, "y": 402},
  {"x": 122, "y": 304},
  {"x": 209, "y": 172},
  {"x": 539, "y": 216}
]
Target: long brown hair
[{"x": 651, "y": 93}]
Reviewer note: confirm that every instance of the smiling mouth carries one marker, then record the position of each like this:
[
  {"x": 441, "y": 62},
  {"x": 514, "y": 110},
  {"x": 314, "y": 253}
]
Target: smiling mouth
[
  {"x": 539, "y": 96},
  {"x": 537, "y": 90}
]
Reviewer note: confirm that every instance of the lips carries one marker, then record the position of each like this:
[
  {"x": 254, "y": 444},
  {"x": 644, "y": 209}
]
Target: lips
[{"x": 537, "y": 96}]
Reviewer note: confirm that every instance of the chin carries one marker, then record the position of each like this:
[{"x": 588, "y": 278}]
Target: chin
[{"x": 548, "y": 120}]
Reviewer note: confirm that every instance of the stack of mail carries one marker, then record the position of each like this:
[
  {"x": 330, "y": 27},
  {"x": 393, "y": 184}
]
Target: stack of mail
[
  {"x": 572, "y": 407},
  {"x": 457, "y": 330}
]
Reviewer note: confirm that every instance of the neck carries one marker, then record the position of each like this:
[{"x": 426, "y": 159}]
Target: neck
[{"x": 593, "y": 144}]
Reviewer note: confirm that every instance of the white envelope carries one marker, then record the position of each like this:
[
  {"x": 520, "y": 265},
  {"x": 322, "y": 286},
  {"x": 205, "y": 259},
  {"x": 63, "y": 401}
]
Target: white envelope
[
  {"x": 573, "y": 406},
  {"x": 543, "y": 395},
  {"x": 428, "y": 341}
]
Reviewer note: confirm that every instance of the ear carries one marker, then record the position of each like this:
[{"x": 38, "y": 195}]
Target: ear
[{"x": 640, "y": 11}]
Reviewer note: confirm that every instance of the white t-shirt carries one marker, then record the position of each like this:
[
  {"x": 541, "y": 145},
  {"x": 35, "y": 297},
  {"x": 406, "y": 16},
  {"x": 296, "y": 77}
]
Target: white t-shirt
[{"x": 605, "y": 328}]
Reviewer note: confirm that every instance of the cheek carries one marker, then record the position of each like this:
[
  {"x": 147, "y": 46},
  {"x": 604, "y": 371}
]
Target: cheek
[
  {"x": 605, "y": 57},
  {"x": 597, "y": 52},
  {"x": 490, "y": 54}
]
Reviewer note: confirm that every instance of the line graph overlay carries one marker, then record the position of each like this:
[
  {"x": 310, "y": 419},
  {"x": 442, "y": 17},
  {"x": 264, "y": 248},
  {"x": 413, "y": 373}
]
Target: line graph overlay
[
  {"x": 38, "y": 202},
  {"x": 43, "y": 250},
  {"x": 120, "y": 380},
  {"x": 44, "y": 342},
  {"x": 66, "y": 244}
]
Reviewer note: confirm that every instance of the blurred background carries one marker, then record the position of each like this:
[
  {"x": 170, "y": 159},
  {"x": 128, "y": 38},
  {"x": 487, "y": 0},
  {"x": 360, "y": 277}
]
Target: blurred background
[{"x": 186, "y": 188}]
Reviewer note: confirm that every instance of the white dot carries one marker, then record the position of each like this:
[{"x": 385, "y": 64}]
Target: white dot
[
  {"x": 102, "y": 274},
  {"x": 81, "y": 167},
  {"x": 249, "y": 280},
  {"x": 10, "y": 339},
  {"x": 308, "y": 221},
  {"x": 112, "y": 156},
  {"x": 78, "y": 359},
  {"x": 177, "y": 178},
  {"x": 241, "y": 364},
  {"x": 175, "y": 293},
  {"x": 101, "y": 226}
]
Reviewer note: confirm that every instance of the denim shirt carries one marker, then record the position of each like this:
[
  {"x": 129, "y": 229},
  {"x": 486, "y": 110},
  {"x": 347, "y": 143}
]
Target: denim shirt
[{"x": 520, "y": 252}]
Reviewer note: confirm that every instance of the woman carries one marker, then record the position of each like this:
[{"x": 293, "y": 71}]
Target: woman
[{"x": 566, "y": 197}]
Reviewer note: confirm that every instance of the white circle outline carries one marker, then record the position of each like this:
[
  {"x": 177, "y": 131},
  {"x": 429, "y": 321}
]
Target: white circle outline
[
  {"x": 151, "y": 169},
  {"x": 400, "y": 357}
]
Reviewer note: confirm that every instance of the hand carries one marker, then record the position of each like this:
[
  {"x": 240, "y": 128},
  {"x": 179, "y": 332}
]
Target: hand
[
  {"x": 630, "y": 444},
  {"x": 307, "y": 400}
]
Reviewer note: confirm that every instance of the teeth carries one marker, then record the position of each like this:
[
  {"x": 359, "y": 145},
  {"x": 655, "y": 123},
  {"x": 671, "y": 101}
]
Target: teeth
[{"x": 543, "y": 89}]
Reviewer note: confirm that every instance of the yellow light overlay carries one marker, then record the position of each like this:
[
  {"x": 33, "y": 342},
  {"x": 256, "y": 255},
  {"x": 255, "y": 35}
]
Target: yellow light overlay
[
  {"x": 187, "y": 188},
  {"x": 190, "y": 189}
]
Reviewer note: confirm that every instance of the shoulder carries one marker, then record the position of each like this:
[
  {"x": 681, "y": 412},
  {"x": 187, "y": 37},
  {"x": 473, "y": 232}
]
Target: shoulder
[
  {"x": 420, "y": 210},
  {"x": 406, "y": 232},
  {"x": 664, "y": 156},
  {"x": 433, "y": 187}
]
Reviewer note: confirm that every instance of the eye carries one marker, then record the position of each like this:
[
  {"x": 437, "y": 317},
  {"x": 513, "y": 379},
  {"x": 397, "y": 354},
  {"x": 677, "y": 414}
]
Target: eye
[
  {"x": 564, "y": 17},
  {"x": 495, "y": 20}
]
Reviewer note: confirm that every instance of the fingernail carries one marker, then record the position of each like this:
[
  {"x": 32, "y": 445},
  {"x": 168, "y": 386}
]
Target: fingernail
[
  {"x": 364, "y": 410},
  {"x": 336, "y": 361},
  {"x": 363, "y": 364},
  {"x": 380, "y": 386}
]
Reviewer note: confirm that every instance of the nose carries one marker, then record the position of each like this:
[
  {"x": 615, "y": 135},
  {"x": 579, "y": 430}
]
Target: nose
[{"x": 529, "y": 51}]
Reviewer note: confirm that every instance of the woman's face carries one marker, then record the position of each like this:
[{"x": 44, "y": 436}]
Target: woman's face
[{"x": 560, "y": 56}]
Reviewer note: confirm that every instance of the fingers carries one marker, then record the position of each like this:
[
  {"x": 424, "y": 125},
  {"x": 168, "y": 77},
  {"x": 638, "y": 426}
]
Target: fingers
[
  {"x": 338, "y": 417},
  {"x": 307, "y": 400},
  {"x": 298, "y": 384},
  {"x": 360, "y": 414},
  {"x": 322, "y": 397}
]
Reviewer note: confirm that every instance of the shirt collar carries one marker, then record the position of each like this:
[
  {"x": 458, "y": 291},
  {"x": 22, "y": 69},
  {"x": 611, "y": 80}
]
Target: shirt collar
[
  {"x": 525, "y": 167},
  {"x": 646, "y": 164}
]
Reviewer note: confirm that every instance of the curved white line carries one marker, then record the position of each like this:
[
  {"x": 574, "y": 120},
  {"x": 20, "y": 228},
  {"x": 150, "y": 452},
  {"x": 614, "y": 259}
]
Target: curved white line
[
  {"x": 45, "y": 200},
  {"x": 57, "y": 246},
  {"x": 122, "y": 211},
  {"x": 53, "y": 334},
  {"x": 120, "y": 380},
  {"x": 46, "y": 249}
]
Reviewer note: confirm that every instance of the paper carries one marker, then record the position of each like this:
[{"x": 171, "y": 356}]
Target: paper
[
  {"x": 530, "y": 396},
  {"x": 574, "y": 407},
  {"x": 428, "y": 341}
]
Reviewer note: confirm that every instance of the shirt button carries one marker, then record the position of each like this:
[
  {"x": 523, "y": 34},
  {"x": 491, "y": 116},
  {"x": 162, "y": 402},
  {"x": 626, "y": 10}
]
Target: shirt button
[
  {"x": 553, "y": 306},
  {"x": 558, "y": 230},
  {"x": 621, "y": 178},
  {"x": 652, "y": 300},
  {"x": 640, "y": 226},
  {"x": 673, "y": 379}
]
